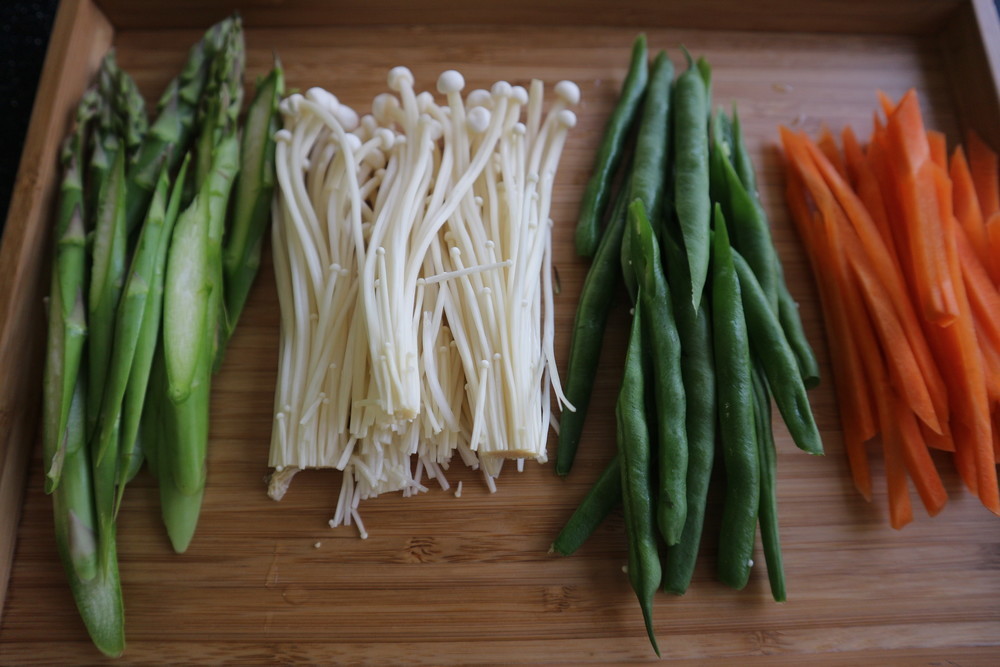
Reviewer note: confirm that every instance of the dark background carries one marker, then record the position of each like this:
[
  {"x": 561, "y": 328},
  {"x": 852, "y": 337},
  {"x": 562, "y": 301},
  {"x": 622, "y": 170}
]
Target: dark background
[{"x": 24, "y": 33}]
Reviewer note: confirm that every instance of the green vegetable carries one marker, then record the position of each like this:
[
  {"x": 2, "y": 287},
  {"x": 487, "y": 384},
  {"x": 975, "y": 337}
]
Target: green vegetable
[
  {"x": 663, "y": 343},
  {"x": 691, "y": 173},
  {"x": 698, "y": 372},
  {"x": 86, "y": 545},
  {"x": 596, "y": 298},
  {"x": 603, "y": 497},
  {"x": 649, "y": 168},
  {"x": 609, "y": 155},
  {"x": 736, "y": 415},
  {"x": 635, "y": 452},
  {"x": 768, "y": 515},
  {"x": 767, "y": 339},
  {"x": 254, "y": 188},
  {"x": 67, "y": 330}
]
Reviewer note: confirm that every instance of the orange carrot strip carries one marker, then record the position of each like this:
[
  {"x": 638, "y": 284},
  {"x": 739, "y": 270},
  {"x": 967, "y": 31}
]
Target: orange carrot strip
[
  {"x": 996, "y": 435},
  {"x": 900, "y": 507},
  {"x": 938, "y": 145},
  {"x": 907, "y": 141},
  {"x": 991, "y": 362},
  {"x": 993, "y": 241},
  {"x": 984, "y": 298},
  {"x": 886, "y": 103},
  {"x": 973, "y": 422},
  {"x": 866, "y": 185},
  {"x": 847, "y": 251},
  {"x": 985, "y": 170},
  {"x": 967, "y": 210},
  {"x": 940, "y": 441},
  {"x": 883, "y": 266},
  {"x": 828, "y": 145},
  {"x": 918, "y": 459},
  {"x": 854, "y": 394}
]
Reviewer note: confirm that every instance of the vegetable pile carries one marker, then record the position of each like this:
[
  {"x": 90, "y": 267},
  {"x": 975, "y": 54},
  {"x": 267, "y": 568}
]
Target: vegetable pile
[
  {"x": 151, "y": 271},
  {"x": 412, "y": 251},
  {"x": 904, "y": 244},
  {"x": 715, "y": 335}
]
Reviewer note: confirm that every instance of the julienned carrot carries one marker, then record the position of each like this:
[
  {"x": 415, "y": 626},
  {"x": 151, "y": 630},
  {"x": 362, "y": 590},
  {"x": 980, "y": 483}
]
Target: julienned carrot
[
  {"x": 900, "y": 507},
  {"x": 984, "y": 298},
  {"x": 983, "y": 164},
  {"x": 940, "y": 441},
  {"x": 907, "y": 143},
  {"x": 885, "y": 103},
  {"x": 996, "y": 435},
  {"x": 885, "y": 266},
  {"x": 973, "y": 423},
  {"x": 854, "y": 394},
  {"x": 967, "y": 209},
  {"x": 828, "y": 145},
  {"x": 918, "y": 459},
  {"x": 866, "y": 185},
  {"x": 993, "y": 241},
  {"x": 906, "y": 373},
  {"x": 938, "y": 145}
]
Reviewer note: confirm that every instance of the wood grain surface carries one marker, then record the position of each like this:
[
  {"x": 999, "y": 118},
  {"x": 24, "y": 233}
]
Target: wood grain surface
[{"x": 446, "y": 580}]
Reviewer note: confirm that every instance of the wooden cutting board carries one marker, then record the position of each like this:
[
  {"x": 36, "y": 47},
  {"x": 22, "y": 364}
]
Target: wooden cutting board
[{"x": 457, "y": 580}]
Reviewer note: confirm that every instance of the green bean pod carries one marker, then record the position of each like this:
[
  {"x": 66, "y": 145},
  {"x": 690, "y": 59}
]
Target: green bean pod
[
  {"x": 736, "y": 416},
  {"x": 768, "y": 515},
  {"x": 634, "y": 448},
  {"x": 596, "y": 298},
  {"x": 751, "y": 234},
  {"x": 692, "y": 202},
  {"x": 788, "y": 310},
  {"x": 698, "y": 371},
  {"x": 610, "y": 152},
  {"x": 649, "y": 166},
  {"x": 604, "y": 496},
  {"x": 771, "y": 348},
  {"x": 663, "y": 342}
]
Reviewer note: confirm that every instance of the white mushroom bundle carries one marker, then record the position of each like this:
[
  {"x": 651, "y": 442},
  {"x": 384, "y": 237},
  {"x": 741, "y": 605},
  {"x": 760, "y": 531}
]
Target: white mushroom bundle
[{"x": 412, "y": 253}]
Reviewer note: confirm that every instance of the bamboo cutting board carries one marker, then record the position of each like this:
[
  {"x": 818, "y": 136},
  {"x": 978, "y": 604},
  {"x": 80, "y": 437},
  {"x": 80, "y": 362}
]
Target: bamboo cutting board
[{"x": 449, "y": 580}]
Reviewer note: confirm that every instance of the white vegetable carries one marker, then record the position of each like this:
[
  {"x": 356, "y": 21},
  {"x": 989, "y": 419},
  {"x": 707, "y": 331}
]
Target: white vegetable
[{"x": 412, "y": 254}]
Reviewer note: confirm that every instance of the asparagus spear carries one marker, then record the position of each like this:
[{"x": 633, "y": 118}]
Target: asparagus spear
[
  {"x": 254, "y": 188},
  {"x": 176, "y": 113},
  {"x": 86, "y": 547},
  {"x": 67, "y": 314},
  {"x": 191, "y": 292}
]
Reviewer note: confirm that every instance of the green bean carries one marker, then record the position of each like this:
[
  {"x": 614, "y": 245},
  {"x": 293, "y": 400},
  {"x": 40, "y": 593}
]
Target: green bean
[
  {"x": 603, "y": 497},
  {"x": 698, "y": 371},
  {"x": 596, "y": 298},
  {"x": 788, "y": 310},
  {"x": 634, "y": 448},
  {"x": 768, "y": 516},
  {"x": 736, "y": 419},
  {"x": 751, "y": 234},
  {"x": 649, "y": 167},
  {"x": 691, "y": 174},
  {"x": 610, "y": 152},
  {"x": 771, "y": 348},
  {"x": 663, "y": 342}
]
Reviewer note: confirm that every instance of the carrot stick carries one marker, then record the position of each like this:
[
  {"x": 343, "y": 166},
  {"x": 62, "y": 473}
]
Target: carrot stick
[
  {"x": 973, "y": 423},
  {"x": 846, "y": 250},
  {"x": 993, "y": 241},
  {"x": 828, "y": 145},
  {"x": 866, "y": 185},
  {"x": 939, "y": 441},
  {"x": 854, "y": 394},
  {"x": 907, "y": 142},
  {"x": 918, "y": 459},
  {"x": 967, "y": 210},
  {"x": 996, "y": 435},
  {"x": 984, "y": 298},
  {"x": 938, "y": 145},
  {"x": 886, "y": 103},
  {"x": 985, "y": 170},
  {"x": 885, "y": 268},
  {"x": 900, "y": 508}
]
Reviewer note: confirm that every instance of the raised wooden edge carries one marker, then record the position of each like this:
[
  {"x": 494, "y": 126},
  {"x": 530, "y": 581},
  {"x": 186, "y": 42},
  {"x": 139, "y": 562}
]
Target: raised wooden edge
[
  {"x": 970, "y": 45},
  {"x": 908, "y": 17},
  {"x": 80, "y": 37}
]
